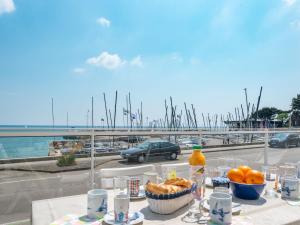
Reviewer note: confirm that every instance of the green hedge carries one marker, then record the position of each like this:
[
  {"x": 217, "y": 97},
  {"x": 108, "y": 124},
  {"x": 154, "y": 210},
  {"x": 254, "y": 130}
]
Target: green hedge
[{"x": 66, "y": 160}]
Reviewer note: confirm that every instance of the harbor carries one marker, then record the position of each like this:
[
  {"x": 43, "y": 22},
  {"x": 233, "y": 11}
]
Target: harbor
[
  {"x": 247, "y": 117},
  {"x": 149, "y": 112}
]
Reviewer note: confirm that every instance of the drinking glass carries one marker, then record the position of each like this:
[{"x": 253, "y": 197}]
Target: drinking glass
[
  {"x": 152, "y": 177},
  {"x": 134, "y": 185},
  {"x": 223, "y": 170},
  {"x": 223, "y": 167},
  {"x": 169, "y": 172},
  {"x": 287, "y": 170},
  {"x": 121, "y": 200},
  {"x": 211, "y": 170},
  {"x": 290, "y": 188},
  {"x": 227, "y": 162},
  {"x": 271, "y": 175},
  {"x": 232, "y": 162},
  {"x": 195, "y": 213},
  {"x": 292, "y": 169},
  {"x": 298, "y": 169}
]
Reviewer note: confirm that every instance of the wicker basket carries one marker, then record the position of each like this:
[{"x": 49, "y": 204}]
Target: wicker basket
[
  {"x": 169, "y": 203},
  {"x": 168, "y": 206}
]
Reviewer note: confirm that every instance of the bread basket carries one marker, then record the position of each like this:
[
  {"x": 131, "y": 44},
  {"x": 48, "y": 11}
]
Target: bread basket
[{"x": 169, "y": 203}]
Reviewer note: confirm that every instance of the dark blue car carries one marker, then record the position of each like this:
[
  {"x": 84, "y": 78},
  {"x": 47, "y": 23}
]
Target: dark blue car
[
  {"x": 285, "y": 140},
  {"x": 150, "y": 149}
]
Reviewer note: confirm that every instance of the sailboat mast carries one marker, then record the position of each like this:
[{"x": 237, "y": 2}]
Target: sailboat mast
[
  {"x": 52, "y": 110},
  {"x": 106, "y": 110},
  {"x": 115, "y": 112},
  {"x": 130, "y": 111},
  {"x": 92, "y": 112}
]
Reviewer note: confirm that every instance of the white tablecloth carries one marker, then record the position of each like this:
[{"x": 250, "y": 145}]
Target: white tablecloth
[{"x": 260, "y": 212}]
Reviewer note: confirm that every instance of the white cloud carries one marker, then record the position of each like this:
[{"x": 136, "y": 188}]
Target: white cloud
[
  {"x": 194, "y": 61},
  {"x": 295, "y": 24},
  {"x": 9, "y": 93},
  {"x": 7, "y": 6},
  {"x": 227, "y": 19},
  {"x": 137, "y": 61},
  {"x": 289, "y": 2},
  {"x": 175, "y": 56},
  {"x": 103, "y": 22},
  {"x": 79, "y": 70},
  {"x": 107, "y": 61}
]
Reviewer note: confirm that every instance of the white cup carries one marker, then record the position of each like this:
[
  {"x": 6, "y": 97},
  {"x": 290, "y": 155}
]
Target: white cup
[
  {"x": 152, "y": 177},
  {"x": 121, "y": 208},
  {"x": 290, "y": 188},
  {"x": 96, "y": 203},
  {"x": 220, "y": 208}
]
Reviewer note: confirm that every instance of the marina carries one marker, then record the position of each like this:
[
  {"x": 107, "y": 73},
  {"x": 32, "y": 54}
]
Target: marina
[{"x": 149, "y": 112}]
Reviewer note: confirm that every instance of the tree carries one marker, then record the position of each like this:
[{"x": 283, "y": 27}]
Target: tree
[
  {"x": 267, "y": 112},
  {"x": 282, "y": 116},
  {"x": 296, "y": 103}
]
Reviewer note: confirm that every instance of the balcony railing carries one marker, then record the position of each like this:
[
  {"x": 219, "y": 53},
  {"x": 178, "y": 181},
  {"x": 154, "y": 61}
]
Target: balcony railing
[{"x": 49, "y": 185}]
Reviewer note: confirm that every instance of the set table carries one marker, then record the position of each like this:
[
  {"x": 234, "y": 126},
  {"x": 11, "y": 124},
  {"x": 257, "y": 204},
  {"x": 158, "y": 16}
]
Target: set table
[{"x": 273, "y": 211}]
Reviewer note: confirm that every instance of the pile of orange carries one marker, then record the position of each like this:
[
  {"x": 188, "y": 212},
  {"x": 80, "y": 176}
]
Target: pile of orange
[{"x": 244, "y": 174}]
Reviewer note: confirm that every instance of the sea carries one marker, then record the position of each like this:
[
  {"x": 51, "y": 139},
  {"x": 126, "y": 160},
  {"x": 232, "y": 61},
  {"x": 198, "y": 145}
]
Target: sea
[{"x": 26, "y": 147}]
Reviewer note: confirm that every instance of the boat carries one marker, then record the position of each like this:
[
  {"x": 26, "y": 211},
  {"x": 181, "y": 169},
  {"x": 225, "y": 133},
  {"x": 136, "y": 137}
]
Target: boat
[{"x": 98, "y": 148}]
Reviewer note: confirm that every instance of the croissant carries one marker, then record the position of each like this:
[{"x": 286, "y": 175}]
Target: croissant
[
  {"x": 180, "y": 182},
  {"x": 169, "y": 186},
  {"x": 156, "y": 188},
  {"x": 163, "y": 188}
]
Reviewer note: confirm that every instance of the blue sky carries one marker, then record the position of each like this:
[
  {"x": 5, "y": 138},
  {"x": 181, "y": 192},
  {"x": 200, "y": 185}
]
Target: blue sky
[{"x": 200, "y": 52}]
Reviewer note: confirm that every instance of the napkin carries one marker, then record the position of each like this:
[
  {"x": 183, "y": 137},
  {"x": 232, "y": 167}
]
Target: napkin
[
  {"x": 241, "y": 220},
  {"x": 72, "y": 219},
  {"x": 293, "y": 203}
]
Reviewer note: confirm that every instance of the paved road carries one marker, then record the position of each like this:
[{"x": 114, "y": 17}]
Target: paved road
[{"x": 18, "y": 189}]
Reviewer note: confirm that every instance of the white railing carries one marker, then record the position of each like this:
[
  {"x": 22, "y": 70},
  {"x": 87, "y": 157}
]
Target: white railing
[
  {"x": 92, "y": 132},
  {"x": 49, "y": 132}
]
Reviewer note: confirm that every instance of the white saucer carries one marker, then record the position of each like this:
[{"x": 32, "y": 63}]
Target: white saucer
[
  {"x": 236, "y": 207},
  {"x": 134, "y": 218}
]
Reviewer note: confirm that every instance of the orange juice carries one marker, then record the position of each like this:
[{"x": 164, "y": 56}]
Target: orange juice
[
  {"x": 197, "y": 158},
  {"x": 197, "y": 171}
]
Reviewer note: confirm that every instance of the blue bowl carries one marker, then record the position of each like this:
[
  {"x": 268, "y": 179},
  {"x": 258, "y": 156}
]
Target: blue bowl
[{"x": 247, "y": 191}]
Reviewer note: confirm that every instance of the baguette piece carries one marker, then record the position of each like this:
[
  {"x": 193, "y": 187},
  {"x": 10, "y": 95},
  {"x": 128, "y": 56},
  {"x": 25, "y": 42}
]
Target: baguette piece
[
  {"x": 180, "y": 182},
  {"x": 163, "y": 188},
  {"x": 170, "y": 186}
]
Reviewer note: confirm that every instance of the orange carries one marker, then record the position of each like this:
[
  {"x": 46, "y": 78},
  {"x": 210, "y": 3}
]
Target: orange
[
  {"x": 236, "y": 175},
  {"x": 254, "y": 177},
  {"x": 244, "y": 169}
]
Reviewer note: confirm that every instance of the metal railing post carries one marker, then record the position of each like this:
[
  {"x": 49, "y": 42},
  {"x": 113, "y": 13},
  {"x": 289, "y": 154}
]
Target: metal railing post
[
  {"x": 200, "y": 137},
  {"x": 92, "y": 159},
  {"x": 266, "y": 147}
]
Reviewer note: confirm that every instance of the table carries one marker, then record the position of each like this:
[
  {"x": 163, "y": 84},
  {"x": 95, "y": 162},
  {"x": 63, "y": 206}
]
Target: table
[{"x": 260, "y": 212}]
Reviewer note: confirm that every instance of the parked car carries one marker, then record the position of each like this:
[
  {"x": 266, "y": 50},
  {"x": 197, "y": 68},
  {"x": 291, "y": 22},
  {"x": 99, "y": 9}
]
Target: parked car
[
  {"x": 285, "y": 140},
  {"x": 132, "y": 139},
  {"x": 98, "y": 147},
  {"x": 151, "y": 148},
  {"x": 190, "y": 142}
]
